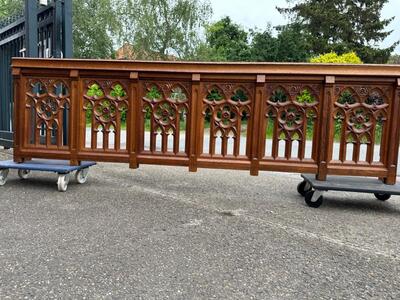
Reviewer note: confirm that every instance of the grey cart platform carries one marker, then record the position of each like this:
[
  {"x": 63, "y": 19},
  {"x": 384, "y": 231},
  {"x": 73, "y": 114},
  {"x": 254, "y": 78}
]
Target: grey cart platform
[
  {"x": 313, "y": 189},
  {"x": 62, "y": 168}
]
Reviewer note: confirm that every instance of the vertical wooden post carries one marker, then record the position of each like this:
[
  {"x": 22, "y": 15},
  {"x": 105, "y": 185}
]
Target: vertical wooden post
[
  {"x": 17, "y": 122},
  {"x": 257, "y": 133},
  {"x": 74, "y": 121},
  {"x": 195, "y": 112},
  {"x": 325, "y": 143},
  {"x": 392, "y": 144},
  {"x": 133, "y": 119}
]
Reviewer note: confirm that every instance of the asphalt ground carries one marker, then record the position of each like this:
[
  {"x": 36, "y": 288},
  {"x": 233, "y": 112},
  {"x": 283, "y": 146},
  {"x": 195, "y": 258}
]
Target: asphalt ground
[{"x": 164, "y": 233}]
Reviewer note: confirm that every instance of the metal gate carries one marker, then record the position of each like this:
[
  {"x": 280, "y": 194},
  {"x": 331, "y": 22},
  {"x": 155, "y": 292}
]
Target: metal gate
[{"x": 39, "y": 31}]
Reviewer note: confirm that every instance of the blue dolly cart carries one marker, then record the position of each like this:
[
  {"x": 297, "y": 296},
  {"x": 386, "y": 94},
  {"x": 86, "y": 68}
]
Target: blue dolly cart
[
  {"x": 62, "y": 168},
  {"x": 313, "y": 190}
]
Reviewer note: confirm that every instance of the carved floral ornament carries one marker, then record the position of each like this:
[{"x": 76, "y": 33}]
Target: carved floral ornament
[
  {"x": 293, "y": 106},
  {"x": 303, "y": 95},
  {"x": 227, "y": 104},
  {"x": 370, "y": 97},
  {"x": 48, "y": 97},
  {"x": 172, "y": 92},
  {"x": 240, "y": 94},
  {"x": 164, "y": 101},
  {"x": 104, "y": 99}
]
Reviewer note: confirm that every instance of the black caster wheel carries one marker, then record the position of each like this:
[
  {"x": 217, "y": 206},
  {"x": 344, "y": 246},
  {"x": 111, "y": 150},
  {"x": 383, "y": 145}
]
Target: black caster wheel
[
  {"x": 303, "y": 187},
  {"x": 382, "y": 196},
  {"x": 315, "y": 203},
  {"x": 23, "y": 174}
]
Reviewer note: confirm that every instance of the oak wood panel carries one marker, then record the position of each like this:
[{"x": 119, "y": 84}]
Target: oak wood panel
[{"x": 309, "y": 106}]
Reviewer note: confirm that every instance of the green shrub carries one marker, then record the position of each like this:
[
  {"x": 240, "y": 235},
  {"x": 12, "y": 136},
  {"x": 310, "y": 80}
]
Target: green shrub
[
  {"x": 153, "y": 93},
  {"x": 332, "y": 57},
  {"x": 95, "y": 90},
  {"x": 305, "y": 97}
]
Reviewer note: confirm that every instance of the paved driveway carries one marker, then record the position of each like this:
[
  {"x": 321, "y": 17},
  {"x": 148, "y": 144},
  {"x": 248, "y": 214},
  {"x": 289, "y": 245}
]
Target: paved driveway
[{"x": 164, "y": 233}]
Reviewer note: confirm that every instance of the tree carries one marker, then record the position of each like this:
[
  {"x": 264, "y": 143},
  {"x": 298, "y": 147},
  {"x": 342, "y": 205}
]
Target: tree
[
  {"x": 94, "y": 24},
  {"x": 289, "y": 46},
  {"x": 227, "y": 41},
  {"x": 160, "y": 28},
  {"x": 10, "y": 8},
  {"x": 343, "y": 26},
  {"x": 264, "y": 46},
  {"x": 394, "y": 59}
]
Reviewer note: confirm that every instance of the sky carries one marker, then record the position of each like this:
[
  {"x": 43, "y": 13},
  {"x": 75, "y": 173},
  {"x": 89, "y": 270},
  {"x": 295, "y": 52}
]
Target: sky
[{"x": 258, "y": 13}]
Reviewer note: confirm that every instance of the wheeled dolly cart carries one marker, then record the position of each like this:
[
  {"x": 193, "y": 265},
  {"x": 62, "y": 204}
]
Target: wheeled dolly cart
[
  {"x": 62, "y": 168},
  {"x": 313, "y": 190}
]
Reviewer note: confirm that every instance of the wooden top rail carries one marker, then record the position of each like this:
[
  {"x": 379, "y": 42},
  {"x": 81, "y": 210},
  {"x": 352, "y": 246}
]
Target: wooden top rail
[{"x": 215, "y": 67}]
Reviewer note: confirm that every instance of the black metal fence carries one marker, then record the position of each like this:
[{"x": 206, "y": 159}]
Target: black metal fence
[{"x": 38, "y": 31}]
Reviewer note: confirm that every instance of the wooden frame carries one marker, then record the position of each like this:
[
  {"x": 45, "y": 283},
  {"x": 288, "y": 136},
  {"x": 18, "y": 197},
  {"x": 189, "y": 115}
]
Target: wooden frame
[{"x": 246, "y": 116}]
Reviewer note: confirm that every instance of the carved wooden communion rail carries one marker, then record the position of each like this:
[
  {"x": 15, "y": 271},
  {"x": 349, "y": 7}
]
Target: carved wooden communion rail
[{"x": 322, "y": 119}]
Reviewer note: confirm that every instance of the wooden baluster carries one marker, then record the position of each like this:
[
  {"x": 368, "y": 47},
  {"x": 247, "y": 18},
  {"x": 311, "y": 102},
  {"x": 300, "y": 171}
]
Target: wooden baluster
[
  {"x": 288, "y": 147},
  {"x": 371, "y": 145},
  {"x": 356, "y": 151},
  {"x": 275, "y": 139},
  {"x": 224, "y": 148},
  {"x": 118, "y": 130},
  {"x": 106, "y": 134},
  {"x": 212, "y": 134},
  {"x": 177, "y": 133},
  {"x": 164, "y": 141},
  {"x": 60, "y": 118}
]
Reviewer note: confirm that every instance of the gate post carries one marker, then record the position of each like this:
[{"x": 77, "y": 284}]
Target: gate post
[
  {"x": 67, "y": 29},
  {"x": 392, "y": 146},
  {"x": 325, "y": 143},
  {"x": 31, "y": 28}
]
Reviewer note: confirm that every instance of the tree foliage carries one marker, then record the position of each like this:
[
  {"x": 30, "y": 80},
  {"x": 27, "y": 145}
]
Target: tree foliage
[
  {"x": 227, "y": 41},
  {"x": 160, "y": 28},
  {"x": 394, "y": 59},
  {"x": 10, "y": 8},
  {"x": 342, "y": 26},
  {"x": 94, "y": 24},
  {"x": 289, "y": 45}
]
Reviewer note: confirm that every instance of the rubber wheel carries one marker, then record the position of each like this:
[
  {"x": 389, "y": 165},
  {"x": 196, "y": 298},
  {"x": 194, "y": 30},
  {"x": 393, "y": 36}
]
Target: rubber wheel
[
  {"x": 62, "y": 183},
  {"x": 303, "y": 187},
  {"x": 82, "y": 175},
  {"x": 3, "y": 176},
  {"x": 382, "y": 196},
  {"x": 308, "y": 197},
  {"x": 23, "y": 174}
]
